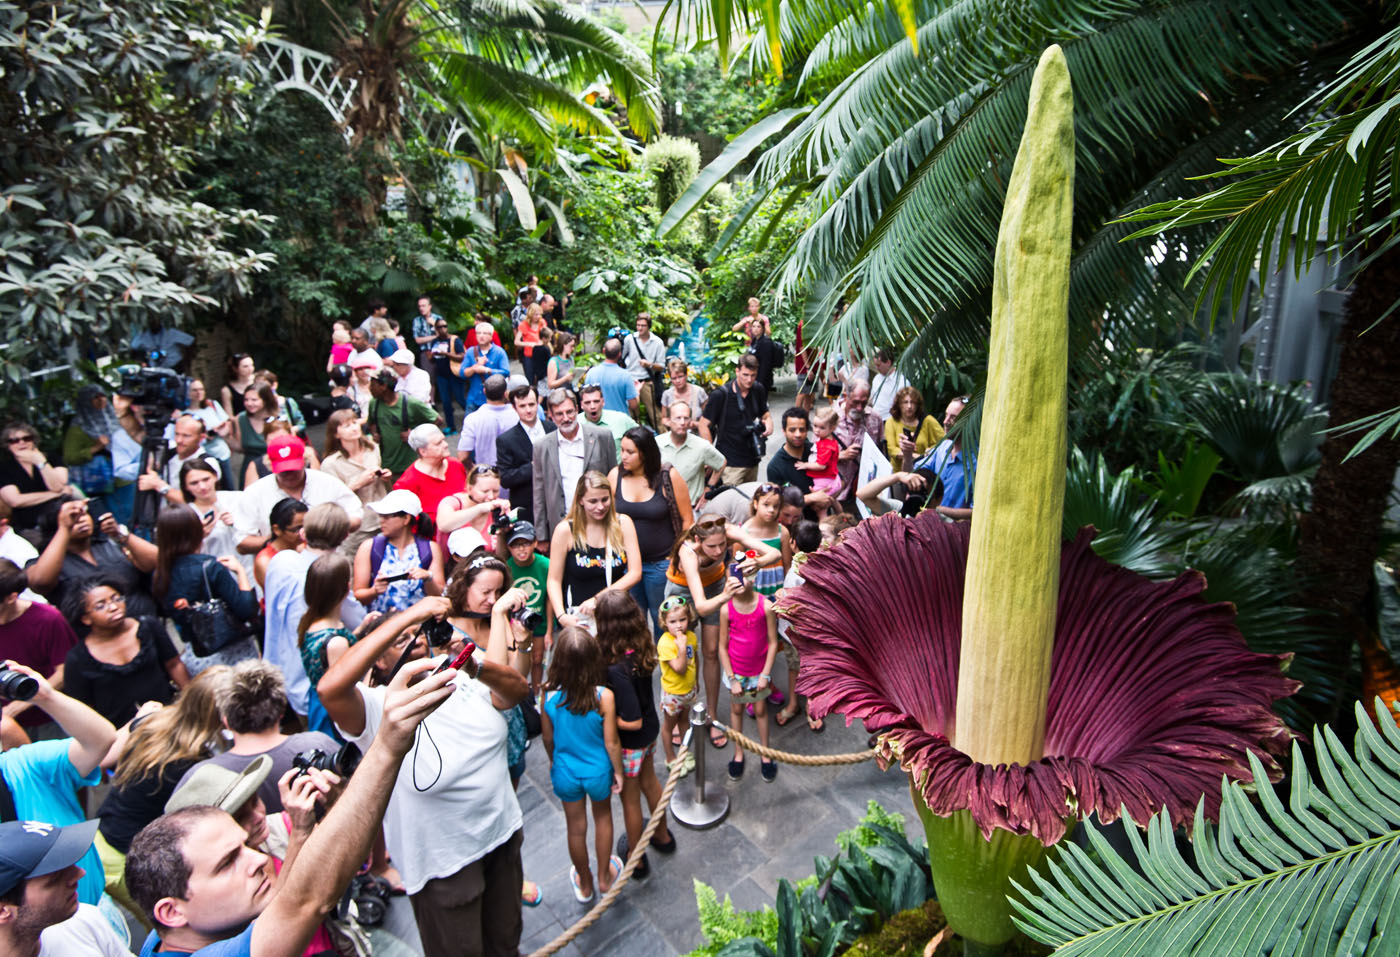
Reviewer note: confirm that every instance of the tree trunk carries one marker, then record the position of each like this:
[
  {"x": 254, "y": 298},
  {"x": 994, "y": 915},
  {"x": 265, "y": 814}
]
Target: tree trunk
[{"x": 1340, "y": 536}]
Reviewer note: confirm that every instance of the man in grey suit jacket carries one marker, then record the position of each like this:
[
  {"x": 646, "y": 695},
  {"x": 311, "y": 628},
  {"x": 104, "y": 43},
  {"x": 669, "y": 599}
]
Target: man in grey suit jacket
[{"x": 561, "y": 457}]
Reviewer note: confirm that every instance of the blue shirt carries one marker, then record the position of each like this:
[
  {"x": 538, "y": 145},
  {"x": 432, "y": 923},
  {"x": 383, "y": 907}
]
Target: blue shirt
[
  {"x": 617, "y": 383},
  {"x": 240, "y": 946},
  {"x": 44, "y": 784},
  {"x": 495, "y": 360},
  {"x": 952, "y": 471}
]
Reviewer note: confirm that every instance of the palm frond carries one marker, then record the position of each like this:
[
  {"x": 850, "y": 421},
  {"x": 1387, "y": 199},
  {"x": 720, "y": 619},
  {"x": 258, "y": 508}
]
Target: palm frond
[
  {"x": 1315, "y": 186},
  {"x": 1128, "y": 530},
  {"x": 1262, "y": 430},
  {"x": 1320, "y": 876}
]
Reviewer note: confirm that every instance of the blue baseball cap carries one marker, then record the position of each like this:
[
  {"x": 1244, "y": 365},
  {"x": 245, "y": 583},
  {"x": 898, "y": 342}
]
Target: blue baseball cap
[{"x": 33, "y": 849}]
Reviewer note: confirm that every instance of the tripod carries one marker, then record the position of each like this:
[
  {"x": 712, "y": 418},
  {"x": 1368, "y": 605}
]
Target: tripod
[{"x": 154, "y": 454}]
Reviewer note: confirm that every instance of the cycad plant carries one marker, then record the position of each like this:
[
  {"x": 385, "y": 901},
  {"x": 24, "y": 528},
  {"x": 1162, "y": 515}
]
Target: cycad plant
[{"x": 1320, "y": 876}]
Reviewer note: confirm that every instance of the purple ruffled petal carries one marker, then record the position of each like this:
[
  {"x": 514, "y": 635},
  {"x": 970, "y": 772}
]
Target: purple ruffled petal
[{"x": 1153, "y": 692}]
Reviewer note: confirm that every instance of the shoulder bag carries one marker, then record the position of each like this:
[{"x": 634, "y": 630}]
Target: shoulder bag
[{"x": 211, "y": 625}]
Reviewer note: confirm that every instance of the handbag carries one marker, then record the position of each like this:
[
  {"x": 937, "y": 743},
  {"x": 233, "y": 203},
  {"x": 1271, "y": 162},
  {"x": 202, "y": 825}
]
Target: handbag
[
  {"x": 210, "y": 625},
  {"x": 668, "y": 492},
  {"x": 531, "y": 715}
]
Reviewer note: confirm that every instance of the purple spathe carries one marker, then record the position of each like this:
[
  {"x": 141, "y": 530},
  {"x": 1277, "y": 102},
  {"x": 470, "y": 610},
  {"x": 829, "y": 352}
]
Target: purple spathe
[{"x": 1153, "y": 692}]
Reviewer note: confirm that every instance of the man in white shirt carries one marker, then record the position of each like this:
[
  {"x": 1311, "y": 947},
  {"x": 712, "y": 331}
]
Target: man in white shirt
[
  {"x": 691, "y": 455},
  {"x": 886, "y": 384},
  {"x": 644, "y": 355},
  {"x": 560, "y": 458},
  {"x": 290, "y": 478},
  {"x": 39, "y": 909},
  {"x": 360, "y": 348},
  {"x": 284, "y": 592},
  {"x": 188, "y": 434},
  {"x": 413, "y": 381}
]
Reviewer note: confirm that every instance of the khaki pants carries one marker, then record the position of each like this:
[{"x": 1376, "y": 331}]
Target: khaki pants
[
  {"x": 731, "y": 475},
  {"x": 646, "y": 397}
]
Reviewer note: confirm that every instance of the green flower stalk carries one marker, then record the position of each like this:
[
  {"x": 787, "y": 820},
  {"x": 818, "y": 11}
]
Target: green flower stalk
[{"x": 1013, "y": 564}]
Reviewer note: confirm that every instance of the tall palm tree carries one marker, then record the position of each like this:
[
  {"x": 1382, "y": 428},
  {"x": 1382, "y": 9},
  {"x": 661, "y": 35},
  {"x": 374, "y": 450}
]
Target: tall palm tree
[
  {"x": 901, "y": 158},
  {"x": 519, "y": 66}
]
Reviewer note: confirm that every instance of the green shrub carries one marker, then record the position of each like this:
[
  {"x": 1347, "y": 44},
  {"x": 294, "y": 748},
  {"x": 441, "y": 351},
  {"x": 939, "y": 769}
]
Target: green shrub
[{"x": 672, "y": 163}]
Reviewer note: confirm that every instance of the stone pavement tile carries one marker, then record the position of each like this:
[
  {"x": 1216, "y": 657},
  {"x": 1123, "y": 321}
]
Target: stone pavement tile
[
  {"x": 535, "y": 938},
  {"x": 640, "y": 940}
]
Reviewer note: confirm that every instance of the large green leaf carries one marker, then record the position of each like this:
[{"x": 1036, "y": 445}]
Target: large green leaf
[
  {"x": 735, "y": 153},
  {"x": 1320, "y": 876}
]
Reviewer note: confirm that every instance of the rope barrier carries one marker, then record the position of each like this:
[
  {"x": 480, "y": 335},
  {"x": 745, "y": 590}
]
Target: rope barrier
[
  {"x": 634, "y": 857},
  {"x": 658, "y": 814},
  {"x": 787, "y": 757}
]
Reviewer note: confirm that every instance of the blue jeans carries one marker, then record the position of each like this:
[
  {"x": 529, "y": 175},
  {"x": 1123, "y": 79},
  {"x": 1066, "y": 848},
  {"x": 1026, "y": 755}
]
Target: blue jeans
[
  {"x": 451, "y": 390},
  {"x": 649, "y": 592}
]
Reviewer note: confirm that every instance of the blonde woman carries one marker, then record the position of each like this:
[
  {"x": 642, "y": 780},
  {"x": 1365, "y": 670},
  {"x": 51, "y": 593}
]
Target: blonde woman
[
  {"x": 153, "y": 753},
  {"x": 594, "y": 551}
]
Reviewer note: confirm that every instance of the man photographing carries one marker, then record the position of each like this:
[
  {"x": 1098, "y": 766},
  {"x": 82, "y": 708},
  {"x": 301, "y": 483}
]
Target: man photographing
[{"x": 207, "y": 893}]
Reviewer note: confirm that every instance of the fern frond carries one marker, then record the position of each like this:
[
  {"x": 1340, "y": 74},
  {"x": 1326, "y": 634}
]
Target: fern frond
[{"x": 1321, "y": 876}]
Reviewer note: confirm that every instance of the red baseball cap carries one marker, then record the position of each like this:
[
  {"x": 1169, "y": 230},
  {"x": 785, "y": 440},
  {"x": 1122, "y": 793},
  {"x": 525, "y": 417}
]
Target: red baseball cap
[{"x": 286, "y": 452}]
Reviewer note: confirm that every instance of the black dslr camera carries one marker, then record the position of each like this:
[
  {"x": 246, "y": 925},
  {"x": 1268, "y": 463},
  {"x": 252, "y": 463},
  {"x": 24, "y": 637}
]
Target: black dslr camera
[
  {"x": 343, "y": 762},
  {"x": 528, "y": 618},
  {"x": 754, "y": 431},
  {"x": 438, "y": 631},
  {"x": 16, "y": 685}
]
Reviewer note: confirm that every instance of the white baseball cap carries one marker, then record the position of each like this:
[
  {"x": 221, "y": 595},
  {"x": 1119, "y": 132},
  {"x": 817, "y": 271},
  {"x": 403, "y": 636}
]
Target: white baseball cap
[
  {"x": 399, "y": 500},
  {"x": 402, "y": 357}
]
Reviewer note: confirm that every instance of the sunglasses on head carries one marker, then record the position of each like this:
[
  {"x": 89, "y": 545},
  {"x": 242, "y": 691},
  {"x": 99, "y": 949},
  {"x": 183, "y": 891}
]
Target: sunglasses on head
[
  {"x": 484, "y": 470},
  {"x": 709, "y": 524},
  {"x": 767, "y": 488},
  {"x": 674, "y": 602}
]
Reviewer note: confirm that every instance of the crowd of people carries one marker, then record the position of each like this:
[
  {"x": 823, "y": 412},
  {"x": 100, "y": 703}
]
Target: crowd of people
[{"x": 577, "y": 558}]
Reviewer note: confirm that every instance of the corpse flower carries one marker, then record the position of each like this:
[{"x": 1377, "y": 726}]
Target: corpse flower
[
  {"x": 1153, "y": 692},
  {"x": 1021, "y": 682}
]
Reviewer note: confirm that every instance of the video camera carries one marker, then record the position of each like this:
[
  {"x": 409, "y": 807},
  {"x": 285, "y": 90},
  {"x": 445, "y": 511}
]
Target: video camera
[
  {"x": 154, "y": 388},
  {"x": 502, "y": 522}
]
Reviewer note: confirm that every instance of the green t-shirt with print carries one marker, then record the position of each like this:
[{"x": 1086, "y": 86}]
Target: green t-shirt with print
[{"x": 531, "y": 580}]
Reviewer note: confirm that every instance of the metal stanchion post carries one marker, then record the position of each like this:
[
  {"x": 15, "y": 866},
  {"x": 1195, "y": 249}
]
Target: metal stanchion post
[{"x": 698, "y": 809}]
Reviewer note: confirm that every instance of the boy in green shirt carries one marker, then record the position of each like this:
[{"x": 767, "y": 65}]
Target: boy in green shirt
[{"x": 529, "y": 570}]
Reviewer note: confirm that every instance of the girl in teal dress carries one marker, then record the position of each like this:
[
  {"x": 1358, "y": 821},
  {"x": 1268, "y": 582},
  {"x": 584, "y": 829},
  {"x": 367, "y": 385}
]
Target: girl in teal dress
[{"x": 322, "y": 634}]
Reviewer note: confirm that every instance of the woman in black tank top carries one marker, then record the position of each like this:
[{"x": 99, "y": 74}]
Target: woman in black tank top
[
  {"x": 657, "y": 500},
  {"x": 593, "y": 551}
]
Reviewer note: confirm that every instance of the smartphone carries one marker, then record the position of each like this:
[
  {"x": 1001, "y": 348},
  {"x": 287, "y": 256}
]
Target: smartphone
[
  {"x": 96, "y": 511},
  {"x": 736, "y": 570},
  {"x": 459, "y": 661},
  {"x": 909, "y": 434},
  {"x": 404, "y": 576}
]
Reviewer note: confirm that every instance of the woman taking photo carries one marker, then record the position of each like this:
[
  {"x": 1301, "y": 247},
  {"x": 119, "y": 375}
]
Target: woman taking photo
[
  {"x": 658, "y": 502},
  {"x": 159, "y": 749},
  {"x": 259, "y": 407},
  {"x": 184, "y": 577},
  {"x": 122, "y": 662},
  {"x": 559, "y": 371},
  {"x": 456, "y": 771},
  {"x": 352, "y": 457},
  {"x": 595, "y": 551},
  {"x": 397, "y": 568},
  {"x": 476, "y": 507},
  {"x": 29, "y": 484},
  {"x": 909, "y": 433},
  {"x": 79, "y": 549},
  {"x": 240, "y": 380},
  {"x": 217, "y": 426},
  {"x": 199, "y": 484},
  {"x": 697, "y": 571},
  {"x": 683, "y": 390},
  {"x": 287, "y": 518}
]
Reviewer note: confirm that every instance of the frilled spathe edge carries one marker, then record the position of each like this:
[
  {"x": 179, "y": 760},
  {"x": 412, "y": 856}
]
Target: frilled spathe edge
[{"x": 1153, "y": 693}]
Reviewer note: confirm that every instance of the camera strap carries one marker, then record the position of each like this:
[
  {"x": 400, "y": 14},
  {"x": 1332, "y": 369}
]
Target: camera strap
[{"x": 7, "y": 802}]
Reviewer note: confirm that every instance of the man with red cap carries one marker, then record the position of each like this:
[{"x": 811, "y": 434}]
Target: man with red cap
[{"x": 290, "y": 478}]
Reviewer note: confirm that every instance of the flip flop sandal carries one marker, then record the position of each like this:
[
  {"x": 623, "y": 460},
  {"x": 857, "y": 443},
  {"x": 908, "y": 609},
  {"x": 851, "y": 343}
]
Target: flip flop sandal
[
  {"x": 615, "y": 863},
  {"x": 783, "y": 717},
  {"x": 817, "y": 725},
  {"x": 578, "y": 894},
  {"x": 677, "y": 738},
  {"x": 718, "y": 739},
  {"x": 533, "y": 896}
]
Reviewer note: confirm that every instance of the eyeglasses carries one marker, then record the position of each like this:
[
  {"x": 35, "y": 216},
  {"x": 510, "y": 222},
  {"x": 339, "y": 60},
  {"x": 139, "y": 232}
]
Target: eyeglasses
[
  {"x": 17, "y": 439},
  {"x": 674, "y": 602},
  {"x": 116, "y": 601}
]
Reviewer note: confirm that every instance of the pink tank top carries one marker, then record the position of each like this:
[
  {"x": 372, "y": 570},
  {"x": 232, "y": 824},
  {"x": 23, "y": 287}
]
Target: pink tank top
[{"x": 748, "y": 639}]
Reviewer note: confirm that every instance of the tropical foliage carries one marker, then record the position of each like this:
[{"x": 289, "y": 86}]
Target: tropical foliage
[
  {"x": 901, "y": 159},
  {"x": 100, "y": 233},
  {"x": 1317, "y": 876}
]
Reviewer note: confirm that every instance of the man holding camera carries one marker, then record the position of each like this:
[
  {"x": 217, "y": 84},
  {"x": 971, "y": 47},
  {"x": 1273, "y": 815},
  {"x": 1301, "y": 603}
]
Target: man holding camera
[
  {"x": 736, "y": 419},
  {"x": 208, "y": 893},
  {"x": 39, "y": 782}
]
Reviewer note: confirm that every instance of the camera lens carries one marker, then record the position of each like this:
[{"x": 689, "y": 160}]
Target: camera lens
[{"x": 17, "y": 686}]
